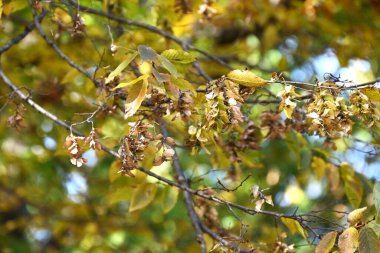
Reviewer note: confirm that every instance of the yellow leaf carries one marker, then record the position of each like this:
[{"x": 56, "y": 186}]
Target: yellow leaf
[
  {"x": 348, "y": 240},
  {"x": 356, "y": 215},
  {"x": 122, "y": 85},
  {"x": 121, "y": 67},
  {"x": 327, "y": 243},
  {"x": 178, "y": 56},
  {"x": 246, "y": 78},
  {"x": 1, "y": 9},
  {"x": 142, "y": 196},
  {"x": 135, "y": 97},
  {"x": 372, "y": 93},
  {"x": 294, "y": 226}
]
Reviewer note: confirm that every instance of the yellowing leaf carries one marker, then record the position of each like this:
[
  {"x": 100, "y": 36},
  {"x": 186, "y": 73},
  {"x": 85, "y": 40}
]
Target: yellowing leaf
[
  {"x": 372, "y": 93},
  {"x": 368, "y": 241},
  {"x": 135, "y": 97},
  {"x": 348, "y": 240},
  {"x": 121, "y": 67},
  {"x": 13, "y": 6},
  {"x": 168, "y": 65},
  {"x": 327, "y": 243},
  {"x": 122, "y": 85},
  {"x": 246, "y": 78},
  {"x": 376, "y": 195},
  {"x": 178, "y": 56},
  {"x": 183, "y": 85},
  {"x": 119, "y": 194},
  {"x": 1, "y": 9},
  {"x": 352, "y": 185},
  {"x": 319, "y": 166},
  {"x": 170, "y": 198},
  {"x": 142, "y": 196},
  {"x": 294, "y": 226},
  {"x": 356, "y": 215}
]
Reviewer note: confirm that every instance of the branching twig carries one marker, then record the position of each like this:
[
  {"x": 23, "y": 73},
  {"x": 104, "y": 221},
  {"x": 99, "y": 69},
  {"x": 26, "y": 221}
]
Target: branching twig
[
  {"x": 22, "y": 35},
  {"x": 57, "y": 49},
  {"x": 183, "y": 184}
]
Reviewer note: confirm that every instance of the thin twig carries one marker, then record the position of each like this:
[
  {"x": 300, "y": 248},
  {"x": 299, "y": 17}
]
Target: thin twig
[
  {"x": 57, "y": 49},
  {"x": 22, "y": 35}
]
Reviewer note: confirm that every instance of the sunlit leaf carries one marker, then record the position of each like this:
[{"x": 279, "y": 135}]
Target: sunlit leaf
[
  {"x": 246, "y": 78},
  {"x": 327, "y": 243},
  {"x": 368, "y": 241},
  {"x": 372, "y": 93},
  {"x": 179, "y": 56},
  {"x": 1, "y": 9},
  {"x": 135, "y": 97},
  {"x": 142, "y": 196},
  {"x": 294, "y": 226},
  {"x": 130, "y": 83},
  {"x": 356, "y": 215},
  {"x": 348, "y": 240},
  {"x": 121, "y": 67}
]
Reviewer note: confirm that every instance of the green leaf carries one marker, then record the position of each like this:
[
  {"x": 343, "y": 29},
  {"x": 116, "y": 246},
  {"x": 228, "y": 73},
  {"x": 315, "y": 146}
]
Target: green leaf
[
  {"x": 352, "y": 185},
  {"x": 121, "y": 67},
  {"x": 135, "y": 97},
  {"x": 122, "y": 85},
  {"x": 376, "y": 195},
  {"x": 168, "y": 65},
  {"x": 119, "y": 194},
  {"x": 327, "y": 243},
  {"x": 183, "y": 85},
  {"x": 147, "y": 53},
  {"x": 178, "y": 56},
  {"x": 142, "y": 196},
  {"x": 368, "y": 241},
  {"x": 348, "y": 240}
]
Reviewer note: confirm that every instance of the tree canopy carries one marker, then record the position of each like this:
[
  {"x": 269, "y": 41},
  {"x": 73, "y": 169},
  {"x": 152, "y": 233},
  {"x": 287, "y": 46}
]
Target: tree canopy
[{"x": 189, "y": 126}]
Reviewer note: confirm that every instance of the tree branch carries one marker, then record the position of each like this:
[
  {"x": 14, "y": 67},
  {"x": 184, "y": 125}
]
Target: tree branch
[
  {"x": 181, "y": 178},
  {"x": 183, "y": 183},
  {"x": 57, "y": 49},
  {"x": 22, "y": 35},
  {"x": 185, "y": 45}
]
